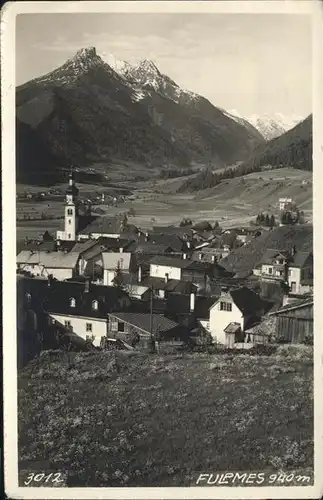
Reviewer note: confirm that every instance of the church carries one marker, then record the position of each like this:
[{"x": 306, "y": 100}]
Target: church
[{"x": 84, "y": 226}]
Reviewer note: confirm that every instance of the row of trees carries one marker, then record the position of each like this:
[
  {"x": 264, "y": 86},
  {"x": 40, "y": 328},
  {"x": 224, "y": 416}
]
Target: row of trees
[{"x": 266, "y": 220}]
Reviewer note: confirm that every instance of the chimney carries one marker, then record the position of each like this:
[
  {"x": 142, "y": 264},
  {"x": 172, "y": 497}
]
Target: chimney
[
  {"x": 166, "y": 277},
  {"x": 87, "y": 285},
  {"x": 146, "y": 236},
  {"x": 293, "y": 250},
  {"x": 192, "y": 302},
  {"x": 139, "y": 274},
  {"x": 49, "y": 280},
  {"x": 188, "y": 244},
  {"x": 184, "y": 256},
  {"x": 121, "y": 250},
  {"x": 200, "y": 256},
  {"x": 213, "y": 259}
]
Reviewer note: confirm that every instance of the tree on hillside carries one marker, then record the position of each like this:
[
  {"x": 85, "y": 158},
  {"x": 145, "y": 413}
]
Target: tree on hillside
[
  {"x": 47, "y": 236},
  {"x": 267, "y": 220},
  {"x": 118, "y": 278},
  {"x": 272, "y": 221}
]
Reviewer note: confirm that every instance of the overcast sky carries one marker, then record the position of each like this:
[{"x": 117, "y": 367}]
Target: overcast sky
[{"x": 251, "y": 63}]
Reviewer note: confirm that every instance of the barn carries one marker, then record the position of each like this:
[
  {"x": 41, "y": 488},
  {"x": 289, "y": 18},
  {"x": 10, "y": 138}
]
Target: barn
[{"x": 294, "y": 322}]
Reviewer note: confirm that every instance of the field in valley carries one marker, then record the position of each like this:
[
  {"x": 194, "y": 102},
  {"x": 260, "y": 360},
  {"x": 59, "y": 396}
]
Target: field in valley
[
  {"x": 233, "y": 202},
  {"x": 140, "y": 420}
]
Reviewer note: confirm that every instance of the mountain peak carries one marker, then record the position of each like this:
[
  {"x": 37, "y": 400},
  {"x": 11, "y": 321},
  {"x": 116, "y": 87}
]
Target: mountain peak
[
  {"x": 86, "y": 53},
  {"x": 149, "y": 66}
]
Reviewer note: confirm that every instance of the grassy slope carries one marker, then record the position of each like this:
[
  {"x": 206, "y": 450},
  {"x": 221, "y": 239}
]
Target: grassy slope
[{"x": 160, "y": 421}]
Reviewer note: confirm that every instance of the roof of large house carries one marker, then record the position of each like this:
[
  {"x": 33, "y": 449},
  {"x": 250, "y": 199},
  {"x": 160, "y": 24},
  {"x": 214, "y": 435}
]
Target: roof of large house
[
  {"x": 143, "y": 322},
  {"x": 55, "y": 260},
  {"x": 271, "y": 254},
  {"x": 102, "y": 225},
  {"x": 162, "y": 260},
  {"x": 171, "y": 286},
  {"x": 151, "y": 248},
  {"x": 111, "y": 260},
  {"x": 300, "y": 258},
  {"x": 246, "y": 300},
  {"x": 60, "y": 293},
  {"x": 170, "y": 240}
]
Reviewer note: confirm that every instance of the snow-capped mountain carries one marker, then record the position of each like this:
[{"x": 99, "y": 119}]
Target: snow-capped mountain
[
  {"x": 86, "y": 111},
  {"x": 270, "y": 126},
  {"x": 146, "y": 76}
]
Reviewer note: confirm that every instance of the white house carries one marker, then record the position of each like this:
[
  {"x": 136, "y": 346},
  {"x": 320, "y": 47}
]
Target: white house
[
  {"x": 60, "y": 265},
  {"x": 112, "y": 260},
  {"x": 284, "y": 203},
  {"x": 240, "y": 307},
  {"x": 83, "y": 308},
  {"x": 300, "y": 273}
]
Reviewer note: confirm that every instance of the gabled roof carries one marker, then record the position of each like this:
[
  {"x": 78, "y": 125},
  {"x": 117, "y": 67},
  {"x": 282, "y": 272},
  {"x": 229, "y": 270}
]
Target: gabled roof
[
  {"x": 109, "y": 299},
  {"x": 247, "y": 301},
  {"x": 111, "y": 260},
  {"x": 142, "y": 321},
  {"x": 171, "y": 286},
  {"x": 55, "y": 260},
  {"x": 232, "y": 327},
  {"x": 300, "y": 258},
  {"x": 271, "y": 254},
  {"x": 102, "y": 225}
]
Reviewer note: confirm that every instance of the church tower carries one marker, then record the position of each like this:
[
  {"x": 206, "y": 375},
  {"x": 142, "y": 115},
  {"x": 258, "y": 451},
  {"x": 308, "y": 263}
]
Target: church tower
[{"x": 71, "y": 210}]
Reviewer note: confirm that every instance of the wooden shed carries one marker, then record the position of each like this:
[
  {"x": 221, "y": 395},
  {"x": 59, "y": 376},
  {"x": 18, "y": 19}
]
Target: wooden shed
[{"x": 294, "y": 322}]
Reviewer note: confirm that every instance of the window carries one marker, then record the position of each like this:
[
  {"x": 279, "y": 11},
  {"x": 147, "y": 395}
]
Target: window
[
  {"x": 67, "y": 323},
  {"x": 225, "y": 306},
  {"x": 69, "y": 221},
  {"x": 120, "y": 326},
  {"x": 69, "y": 235},
  {"x": 95, "y": 304},
  {"x": 72, "y": 302},
  {"x": 69, "y": 211},
  {"x": 161, "y": 294},
  {"x": 28, "y": 297},
  {"x": 281, "y": 273},
  {"x": 270, "y": 270},
  {"x": 88, "y": 327}
]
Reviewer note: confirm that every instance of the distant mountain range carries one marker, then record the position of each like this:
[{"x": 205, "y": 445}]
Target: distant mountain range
[
  {"x": 270, "y": 126},
  {"x": 87, "y": 112},
  {"x": 293, "y": 149}
]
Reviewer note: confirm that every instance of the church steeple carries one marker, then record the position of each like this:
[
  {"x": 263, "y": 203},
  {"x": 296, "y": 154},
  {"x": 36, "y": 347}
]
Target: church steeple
[{"x": 71, "y": 209}]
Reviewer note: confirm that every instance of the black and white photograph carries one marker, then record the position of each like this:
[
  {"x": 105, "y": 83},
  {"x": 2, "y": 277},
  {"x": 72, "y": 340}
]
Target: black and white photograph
[{"x": 159, "y": 330}]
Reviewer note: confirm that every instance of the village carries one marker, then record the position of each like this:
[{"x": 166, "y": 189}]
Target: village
[{"x": 102, "y": 283}]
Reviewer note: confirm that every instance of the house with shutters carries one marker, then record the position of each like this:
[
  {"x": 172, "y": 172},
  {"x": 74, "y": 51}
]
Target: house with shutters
[
  {"x": 300, "y": 273},
  {"x": 84, "y": 307},
  {"x": 233, "y": 312},
  {"x": 273, "y": 265}
]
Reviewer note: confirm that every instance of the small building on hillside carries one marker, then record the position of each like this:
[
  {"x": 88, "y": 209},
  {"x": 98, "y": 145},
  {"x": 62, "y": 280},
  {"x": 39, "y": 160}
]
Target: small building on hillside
[
  {"x": 273, "y": 265},
  {"x": 294, "y": 322},
  {"x": 285, "y": 203},
  {"x": 60, "y": 265},
  {"x": 241, "y": 307},
  {"x": 300, "y": 273}
]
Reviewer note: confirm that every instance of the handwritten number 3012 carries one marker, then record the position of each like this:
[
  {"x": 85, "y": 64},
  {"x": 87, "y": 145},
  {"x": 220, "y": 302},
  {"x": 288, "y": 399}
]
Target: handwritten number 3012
[{"x": 49, "y": 478}]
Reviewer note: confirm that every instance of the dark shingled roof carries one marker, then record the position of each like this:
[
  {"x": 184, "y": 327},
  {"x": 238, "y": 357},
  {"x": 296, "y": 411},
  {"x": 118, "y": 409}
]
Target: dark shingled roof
[
  {"x": 109, "y": 299},
  {"x": 171, "y": 286},
  {"x": 300, "y": 259},
  {"x": 102, "y": 225},
  {"x": 160, "y": 323},
  {"x": 247, "y": 301},
  {"x": 271, "y": 254}
]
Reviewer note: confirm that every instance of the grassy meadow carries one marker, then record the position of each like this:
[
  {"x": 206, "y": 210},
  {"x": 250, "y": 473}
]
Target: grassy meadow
[{"x": 130, "y": 419}]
